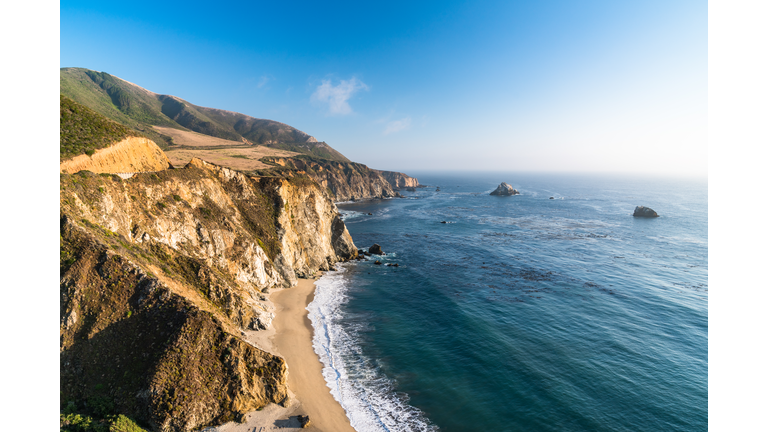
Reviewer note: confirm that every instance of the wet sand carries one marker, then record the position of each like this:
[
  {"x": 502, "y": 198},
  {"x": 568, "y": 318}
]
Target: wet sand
[{"x": 293, "y": 340}]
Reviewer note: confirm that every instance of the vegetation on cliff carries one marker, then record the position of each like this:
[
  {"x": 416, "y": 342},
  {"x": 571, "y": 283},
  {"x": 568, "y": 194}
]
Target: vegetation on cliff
[
  {"x": 83, "y": 131},
  {"x": 161, "y": 273},
  {"x": 140, "y": 109},
  {"x": 344, "y": 180}
]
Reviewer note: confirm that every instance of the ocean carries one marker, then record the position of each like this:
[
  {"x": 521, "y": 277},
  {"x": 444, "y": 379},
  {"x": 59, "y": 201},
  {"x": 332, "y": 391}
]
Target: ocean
[{"x": 522, "y": 313}]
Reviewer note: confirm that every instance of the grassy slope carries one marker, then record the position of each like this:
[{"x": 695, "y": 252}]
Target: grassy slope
[
  {"x": 82, "y": 130},
  {"x": 138, "y": 108}
]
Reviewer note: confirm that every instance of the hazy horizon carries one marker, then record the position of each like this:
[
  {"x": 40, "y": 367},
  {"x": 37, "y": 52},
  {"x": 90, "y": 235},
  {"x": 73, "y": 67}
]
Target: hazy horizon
[{"x": 593, "y": 87}]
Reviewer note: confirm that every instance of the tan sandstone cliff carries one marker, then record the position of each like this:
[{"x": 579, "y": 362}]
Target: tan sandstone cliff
[
  {"x": 344, "y": 180},
  {"x": 133, "y": 154},
  {"x": 163, "y": 272}
]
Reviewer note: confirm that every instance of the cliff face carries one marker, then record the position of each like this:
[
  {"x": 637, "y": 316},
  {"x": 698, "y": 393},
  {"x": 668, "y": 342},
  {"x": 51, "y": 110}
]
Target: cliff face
[
  {"x": 399, "y": 180},
  {"x": 133, "y": 154},
  {"x": 161, "y": 273},
  {"x": 345, "y": 180}
]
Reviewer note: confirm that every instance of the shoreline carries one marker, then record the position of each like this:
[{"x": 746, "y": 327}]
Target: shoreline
[
  {"x": 293, "y": 340},
  {"x": 290, "y": 337}
]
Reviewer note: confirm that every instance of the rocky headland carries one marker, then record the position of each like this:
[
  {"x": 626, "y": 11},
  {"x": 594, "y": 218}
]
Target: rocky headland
[
  {"x": 345, "y": 181},
  {"x": 161, "y": 276}
]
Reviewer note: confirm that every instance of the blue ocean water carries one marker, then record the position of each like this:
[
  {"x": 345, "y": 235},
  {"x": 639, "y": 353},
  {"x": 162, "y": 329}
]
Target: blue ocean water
[{"x": 522, "y": 313}]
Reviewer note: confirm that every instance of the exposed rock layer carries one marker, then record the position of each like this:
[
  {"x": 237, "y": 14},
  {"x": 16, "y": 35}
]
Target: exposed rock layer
[
  {"x": 399, "y": 180},
  {"x": 161, "y": 273},
  {"x": 344, "y": 180},
  {"x": 133, "y": 154},
  {"x": 505, "y": 189}
]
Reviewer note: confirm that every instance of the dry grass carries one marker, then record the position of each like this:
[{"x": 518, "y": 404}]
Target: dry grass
[{"x": 231, "y": 154}]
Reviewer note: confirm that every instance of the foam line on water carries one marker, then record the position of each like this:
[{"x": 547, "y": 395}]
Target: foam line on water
[{"x": 366, "y": 394}]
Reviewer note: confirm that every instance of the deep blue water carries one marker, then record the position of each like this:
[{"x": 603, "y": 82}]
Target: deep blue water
[{"x": 522, "y": 313}]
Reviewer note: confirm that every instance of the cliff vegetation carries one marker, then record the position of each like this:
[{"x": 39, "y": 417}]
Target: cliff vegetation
[
  {"x": 83, "y": 131},
  {"x": 161, "y": 275},
  {"x": 345, "y": 181},
  {"x": 141, "y": 109}
]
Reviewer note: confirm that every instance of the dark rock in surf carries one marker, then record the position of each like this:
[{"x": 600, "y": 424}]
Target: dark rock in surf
[
  {"x": 375, "y": 250},
  {"x": 377, "y": 262},
  {"x": 505, "y": 189},
  {"x": 645, "y": 212}
]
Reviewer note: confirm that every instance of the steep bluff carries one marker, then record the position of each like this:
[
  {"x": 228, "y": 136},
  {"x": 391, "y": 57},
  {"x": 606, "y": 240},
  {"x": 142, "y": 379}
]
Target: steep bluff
[
  {"x": 132, "y": 154},
  {"x": 344, "y": 180},
  {"x": 399, "y": 180},
  {"x": 162, "y": 273}
]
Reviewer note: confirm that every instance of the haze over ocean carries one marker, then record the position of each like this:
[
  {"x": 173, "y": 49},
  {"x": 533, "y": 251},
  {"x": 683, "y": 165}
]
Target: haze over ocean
[
  {"x": 591, "y": 86},
  {"x": 523, "y": 312}
]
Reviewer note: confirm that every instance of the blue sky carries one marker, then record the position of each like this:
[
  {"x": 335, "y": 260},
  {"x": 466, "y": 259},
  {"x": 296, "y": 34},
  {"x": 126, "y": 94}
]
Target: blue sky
[{"x": 589, "y": 86}]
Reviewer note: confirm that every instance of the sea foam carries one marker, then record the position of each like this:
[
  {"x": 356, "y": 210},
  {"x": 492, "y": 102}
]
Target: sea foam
[{"x": 356, "y": 382}]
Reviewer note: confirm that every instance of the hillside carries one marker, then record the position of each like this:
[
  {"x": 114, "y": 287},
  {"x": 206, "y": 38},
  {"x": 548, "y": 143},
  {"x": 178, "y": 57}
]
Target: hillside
[
  {"x": 82, "y": 131},
  {"x": 140, "y": 109},
  {"x": 162, "y": 288}
]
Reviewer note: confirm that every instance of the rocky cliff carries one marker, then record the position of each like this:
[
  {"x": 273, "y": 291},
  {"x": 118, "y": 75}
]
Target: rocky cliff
[
  {"x": 163, "y": 272},
  {"x": 399, "y": 180},
  {"x": 133, "y": 154},
  {"x": 344, "y": 180}
]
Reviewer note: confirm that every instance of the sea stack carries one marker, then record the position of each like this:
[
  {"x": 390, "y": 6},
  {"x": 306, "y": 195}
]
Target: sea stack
[
  {"x": 645, "y": 212},
  {"x": 505, "y": 189}
]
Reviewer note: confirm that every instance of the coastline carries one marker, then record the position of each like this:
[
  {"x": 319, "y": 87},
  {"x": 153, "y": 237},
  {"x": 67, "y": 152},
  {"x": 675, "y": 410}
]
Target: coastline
[{"x": 290, "y": 337}]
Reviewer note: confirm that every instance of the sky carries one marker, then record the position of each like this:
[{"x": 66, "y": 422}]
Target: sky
[{"x": 588, "y": 86}]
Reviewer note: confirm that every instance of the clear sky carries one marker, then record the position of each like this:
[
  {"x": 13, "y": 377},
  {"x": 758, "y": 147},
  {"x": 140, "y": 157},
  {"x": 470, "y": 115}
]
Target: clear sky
[{"x": 590, "y": 86}]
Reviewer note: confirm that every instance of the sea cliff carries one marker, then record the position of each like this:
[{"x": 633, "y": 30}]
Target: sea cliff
[
  {"x": 345, "y": 181},
  {"x": 162, "y": 273}
]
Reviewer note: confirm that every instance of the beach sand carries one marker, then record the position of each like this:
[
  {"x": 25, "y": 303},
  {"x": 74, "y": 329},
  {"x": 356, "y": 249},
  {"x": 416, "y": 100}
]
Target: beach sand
[{"x": 309, "y": 394}]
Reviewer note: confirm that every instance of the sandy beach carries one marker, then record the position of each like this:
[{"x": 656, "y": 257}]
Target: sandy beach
[{"x": 292, "y": 339}]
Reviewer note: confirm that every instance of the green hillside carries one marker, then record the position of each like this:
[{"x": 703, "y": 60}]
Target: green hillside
[
  {"x": 83, "y": 131},
  {"x": 139, "y": 109}
]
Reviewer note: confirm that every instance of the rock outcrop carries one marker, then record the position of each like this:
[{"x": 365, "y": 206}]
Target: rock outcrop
[
  {"x": 345, "y": 181},
  {"x": 399, "y": 180},
  {"x": 133, "y": 154},
  {"x": 161, "y": 274},
  {"x": 505, "y": 189},
  {"x": 644, "y": 212}
]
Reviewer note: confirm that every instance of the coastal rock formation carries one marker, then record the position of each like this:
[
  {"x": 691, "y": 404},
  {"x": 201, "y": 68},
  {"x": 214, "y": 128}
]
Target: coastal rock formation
[
  {"x": 375, "y": 250},
  {"x": 161, "y": 273},
  {"x": 644, "y": 212},
  {"x": 133, "y": 154},
  {"x": 399, "y": 180},
  {"x": 505, "y": 189},
  {"x": 345, "y": 181}
]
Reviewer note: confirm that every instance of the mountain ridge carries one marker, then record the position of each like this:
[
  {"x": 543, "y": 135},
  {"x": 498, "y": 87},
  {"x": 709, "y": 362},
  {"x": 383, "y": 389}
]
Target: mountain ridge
[{"x": 138, "y": 108}]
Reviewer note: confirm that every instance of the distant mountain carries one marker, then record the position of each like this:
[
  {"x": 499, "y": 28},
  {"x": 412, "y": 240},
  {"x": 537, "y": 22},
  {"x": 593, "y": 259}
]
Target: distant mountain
[{"x": 140, "y": 109}]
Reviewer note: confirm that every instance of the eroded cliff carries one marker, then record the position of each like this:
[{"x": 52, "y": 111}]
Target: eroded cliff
[
  {"x": 132, "y": 154},
  {"x": 345, "y": 181},
  {"x": 161, "y": 273}
]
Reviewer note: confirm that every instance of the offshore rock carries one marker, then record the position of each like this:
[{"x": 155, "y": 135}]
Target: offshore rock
[
  {"x": 375, "y": 249},
  {"x": 645, "y": 212},
  {"x": 505, "y": 189}
]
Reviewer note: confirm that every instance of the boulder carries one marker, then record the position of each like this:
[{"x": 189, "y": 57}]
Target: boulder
[
  {"x": 375, "y": 250},
  {"x": 644, "y": 212},
  {"x": 377, "y": 262},
  {"x": 551, "y": 197},
  {"x": 505, "y": 189},
  {"x": 304, "y": 421}
]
